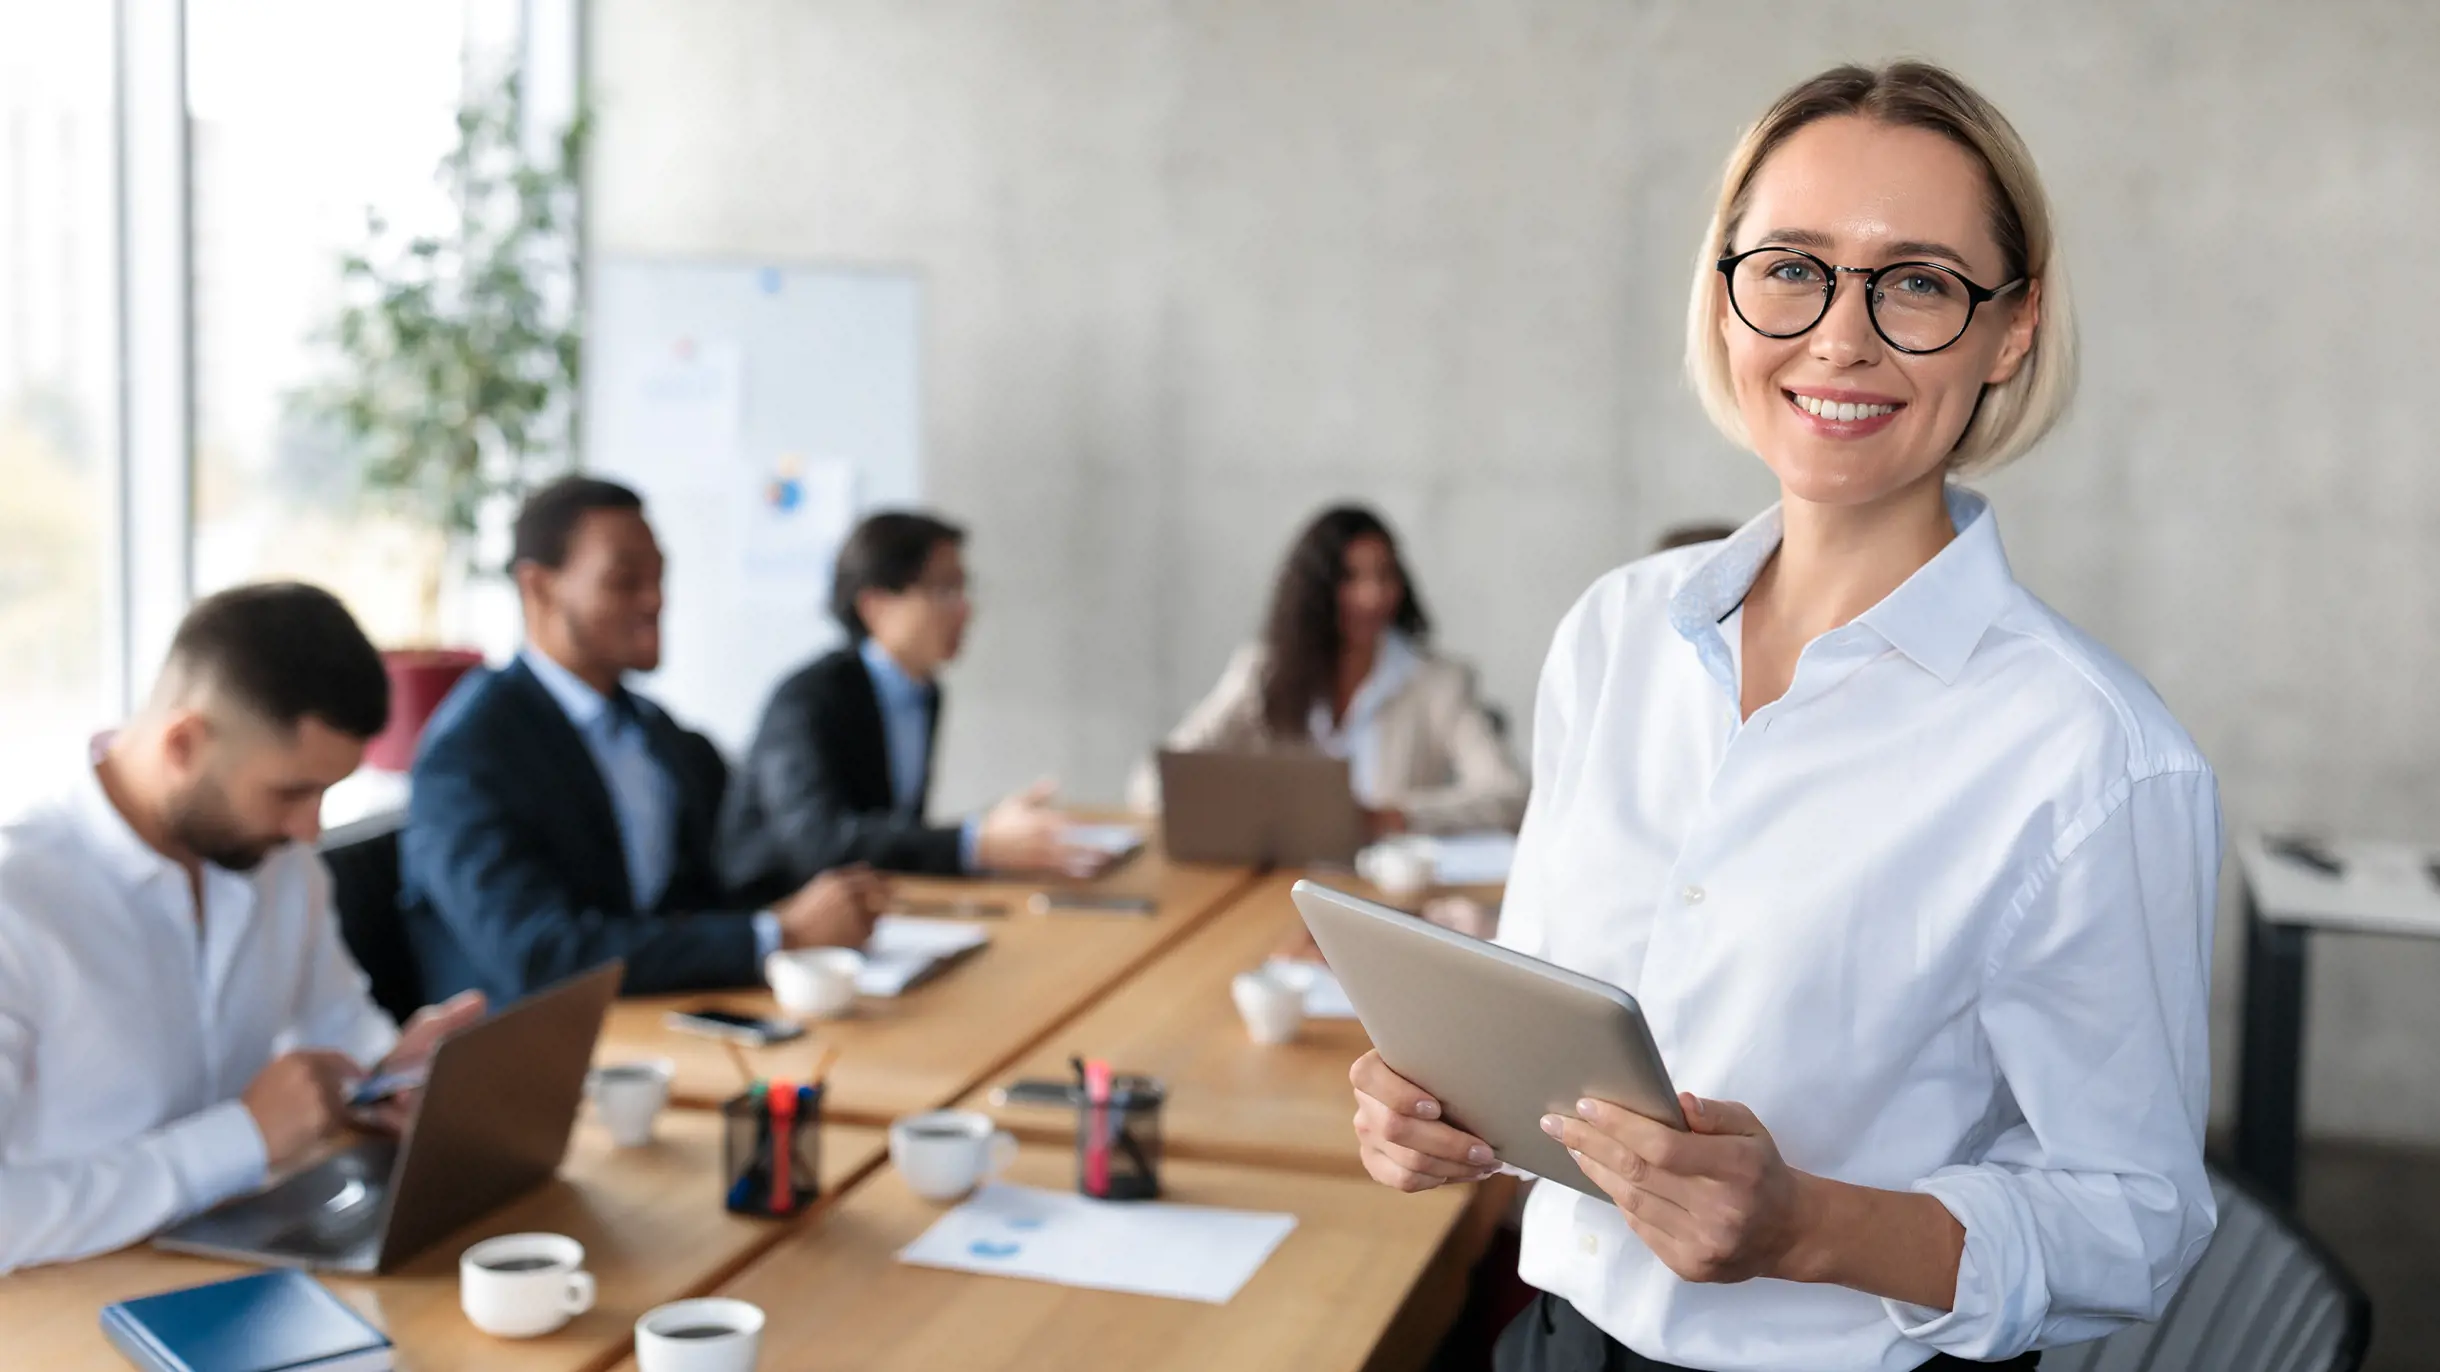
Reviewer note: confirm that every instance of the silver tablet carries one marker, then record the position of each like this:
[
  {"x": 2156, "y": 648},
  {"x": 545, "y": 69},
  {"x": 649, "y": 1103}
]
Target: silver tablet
[{"x": 1499, "y": 1038}]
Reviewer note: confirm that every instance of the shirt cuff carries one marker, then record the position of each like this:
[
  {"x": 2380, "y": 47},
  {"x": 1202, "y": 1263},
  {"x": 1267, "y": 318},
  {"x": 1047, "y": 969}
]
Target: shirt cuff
[
  {"x": 767, "y": 936},
  {"x": 970, "y": 844},
  {"x": 218, "y": 1153},
  {"x": 2003, "y": 1290}
]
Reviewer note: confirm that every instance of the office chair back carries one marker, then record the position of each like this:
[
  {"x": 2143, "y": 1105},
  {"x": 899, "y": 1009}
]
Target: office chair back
[
  {"x": 363, "y": 859},
  {"x": 2265, "y": 1298}
]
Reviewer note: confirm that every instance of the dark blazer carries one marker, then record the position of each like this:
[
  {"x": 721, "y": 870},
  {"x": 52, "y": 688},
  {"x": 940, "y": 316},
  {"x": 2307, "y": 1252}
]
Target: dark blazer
[
  {"x": 511, "y": 872},
  {"x": 815, "y": 792}
]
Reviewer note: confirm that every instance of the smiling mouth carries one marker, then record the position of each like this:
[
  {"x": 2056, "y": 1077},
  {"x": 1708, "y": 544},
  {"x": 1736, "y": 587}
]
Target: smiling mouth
[{"x": 1839, "y": 411}]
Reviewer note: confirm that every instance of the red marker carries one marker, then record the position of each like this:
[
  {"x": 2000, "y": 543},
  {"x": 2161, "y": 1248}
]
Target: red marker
[
  {"x": 783, "y": 1145},
  {"x": 1097, "y": 1147}
]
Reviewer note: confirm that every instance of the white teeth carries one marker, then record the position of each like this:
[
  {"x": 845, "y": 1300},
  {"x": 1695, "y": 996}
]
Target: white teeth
[{"x": 1838, "y": 410}]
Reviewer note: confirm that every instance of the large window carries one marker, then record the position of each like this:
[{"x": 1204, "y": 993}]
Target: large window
[
  {"x": 58, "y": 386},
  {"x": 305, "y": 115}
]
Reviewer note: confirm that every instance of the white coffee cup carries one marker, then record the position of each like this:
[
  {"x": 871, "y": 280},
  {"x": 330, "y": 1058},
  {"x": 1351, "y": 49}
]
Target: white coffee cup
[
  {"x": 518, "y": 1286},
  {"x": 1401, "y": 867},
  {"x": 944, "y": 1154},
  {"x": 708, "y": 1335},
  {"x": 629, "y": 1096},
  {"x": 819, "y": 983},
  {"x": 1273, "y": 1007}
]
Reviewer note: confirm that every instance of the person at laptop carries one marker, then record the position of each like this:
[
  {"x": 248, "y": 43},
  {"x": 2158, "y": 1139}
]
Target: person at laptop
[
  {"x": 1344, "y": 666},
  {"x": 178, "y": 1016},
  {"x": 558, "y": 819},
  {"x": 840, "y": 769}
]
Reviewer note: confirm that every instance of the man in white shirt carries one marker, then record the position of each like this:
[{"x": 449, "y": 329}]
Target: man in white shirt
[{"x": 178, "y": 1016}]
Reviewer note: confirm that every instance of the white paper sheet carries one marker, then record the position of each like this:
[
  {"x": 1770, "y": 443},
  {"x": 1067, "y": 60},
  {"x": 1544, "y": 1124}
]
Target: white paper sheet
[
  {"x": 1473, "y": 859},
  {"x": 1150, "y": 1248},
  {"x": 690, "y": 406},
  {"x": 904, "y": 948},
  {"x": 1324, "y": 997}
]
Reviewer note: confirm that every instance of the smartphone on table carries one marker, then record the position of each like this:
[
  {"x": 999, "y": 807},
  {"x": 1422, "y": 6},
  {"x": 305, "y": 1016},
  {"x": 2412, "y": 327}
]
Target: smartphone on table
[{"x": 750, "y": 1030}]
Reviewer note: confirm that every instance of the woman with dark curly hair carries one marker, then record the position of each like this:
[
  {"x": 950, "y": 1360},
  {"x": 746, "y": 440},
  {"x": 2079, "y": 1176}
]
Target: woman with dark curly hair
[{"x": 1343, "y": 667}]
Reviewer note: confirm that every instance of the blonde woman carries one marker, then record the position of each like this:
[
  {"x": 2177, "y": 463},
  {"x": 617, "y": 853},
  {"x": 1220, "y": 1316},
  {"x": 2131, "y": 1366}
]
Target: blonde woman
[{"x": 1913, "y": 880}]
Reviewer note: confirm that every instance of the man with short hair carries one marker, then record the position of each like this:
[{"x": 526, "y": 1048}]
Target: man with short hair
[
  {"x": 841, "y": 766},
  {"x": 558, "y": 819},
  {"x": 178, "y": 1015}
]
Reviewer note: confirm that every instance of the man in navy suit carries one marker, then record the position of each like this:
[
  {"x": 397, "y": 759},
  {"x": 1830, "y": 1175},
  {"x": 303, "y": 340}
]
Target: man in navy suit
[{"x": 558, "y": 819}]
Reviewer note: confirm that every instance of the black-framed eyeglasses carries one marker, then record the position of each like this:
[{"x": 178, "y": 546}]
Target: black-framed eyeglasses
[{"x": 1916, "y": 307}]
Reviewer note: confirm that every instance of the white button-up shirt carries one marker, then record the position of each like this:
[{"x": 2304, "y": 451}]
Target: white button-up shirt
[
  {"x": 129, "y": 1030},
  {"x": 1941, "y": 915}
]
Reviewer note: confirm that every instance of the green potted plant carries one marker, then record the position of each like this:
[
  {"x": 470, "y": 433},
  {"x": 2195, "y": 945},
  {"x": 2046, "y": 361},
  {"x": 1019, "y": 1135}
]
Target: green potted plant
[{"x": 456, "y": 357}]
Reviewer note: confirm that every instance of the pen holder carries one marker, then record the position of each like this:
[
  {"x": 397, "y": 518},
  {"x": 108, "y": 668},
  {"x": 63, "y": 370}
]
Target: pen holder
[
  {"x": 1118, "y": 1145},
  {"x": 771, "y": 1151}
]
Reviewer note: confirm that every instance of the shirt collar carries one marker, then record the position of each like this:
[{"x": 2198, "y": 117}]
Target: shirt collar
[
  {"x": 579, "y": 701},
  {"x": 123, "y": 853},
  {"x": 891, "y": 681},
  {"x": 1394, "y": 663},
  {"x": 1935, "y": 617}
]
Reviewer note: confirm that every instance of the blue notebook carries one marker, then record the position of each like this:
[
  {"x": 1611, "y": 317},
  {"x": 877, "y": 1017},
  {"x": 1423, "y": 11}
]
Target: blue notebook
[{"x": 270, "y": 1322}]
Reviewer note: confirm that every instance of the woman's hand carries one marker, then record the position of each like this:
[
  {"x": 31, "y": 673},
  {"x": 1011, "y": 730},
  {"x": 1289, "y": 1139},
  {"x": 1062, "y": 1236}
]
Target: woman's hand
[
  {"x": 1401, "y": 1138},
  {"x": 1715, "y": 1205}
]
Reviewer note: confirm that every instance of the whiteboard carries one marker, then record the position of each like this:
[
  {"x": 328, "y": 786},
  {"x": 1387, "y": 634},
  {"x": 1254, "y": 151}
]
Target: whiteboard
[{"x": 756, "y": 407}]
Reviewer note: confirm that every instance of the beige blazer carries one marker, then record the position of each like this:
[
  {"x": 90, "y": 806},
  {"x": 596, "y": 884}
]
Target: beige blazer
[{"x": 1437, "y": 757}]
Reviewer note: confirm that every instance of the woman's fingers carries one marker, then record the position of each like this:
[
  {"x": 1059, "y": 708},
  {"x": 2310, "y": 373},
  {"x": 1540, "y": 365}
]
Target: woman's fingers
[
  {"x": 1427, "y": 1165},
  {"x": 1643, "y": 1209},
  {"x": 1372, "y": 1077},
  {"x": 1376, "y": 1123},
  {"x": 1394, "y": 1110}
]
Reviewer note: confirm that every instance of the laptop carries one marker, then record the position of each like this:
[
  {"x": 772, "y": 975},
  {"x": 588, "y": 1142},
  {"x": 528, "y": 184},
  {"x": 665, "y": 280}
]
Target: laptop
[
  {"x": 498, "y": 1106},
  {"x": 1289, "y": 809}
]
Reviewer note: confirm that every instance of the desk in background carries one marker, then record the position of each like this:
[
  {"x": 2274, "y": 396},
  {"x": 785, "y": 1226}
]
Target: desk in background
[
  {"x": 1361, "y": 1284},
  {"x": 2383, "y": 888},
  {"x": 1284, "y": 1105},
  {"x": 649, "y": 1218},
  {"x": 926, "y": 1048}
]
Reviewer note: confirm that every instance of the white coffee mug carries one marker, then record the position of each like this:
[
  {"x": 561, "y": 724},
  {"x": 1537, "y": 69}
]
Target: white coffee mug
[
  {"x": 819, "y": 983},
  {"x": 629, "y": 1096},
  {"x": 518, "y": 1286},
  {"x": 708, "y": 1335},
  {"x": 1401, "y": 867},
  {"x": 944, "y": 1154},
  {"x": 1272, "y": 1006}
]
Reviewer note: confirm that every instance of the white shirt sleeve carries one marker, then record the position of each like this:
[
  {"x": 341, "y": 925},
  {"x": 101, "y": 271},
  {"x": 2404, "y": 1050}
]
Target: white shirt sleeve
[
  {"x": 112, "y": 1196},
  {"x": 1524, "y": 921},
  {"x": 2085, "y": 1216},
  {"x": 334, "y": 1005}
]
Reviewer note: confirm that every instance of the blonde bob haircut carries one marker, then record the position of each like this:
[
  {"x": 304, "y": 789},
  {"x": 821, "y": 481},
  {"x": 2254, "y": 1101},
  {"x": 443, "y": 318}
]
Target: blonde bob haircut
[{"x": 2010, "y": 417}]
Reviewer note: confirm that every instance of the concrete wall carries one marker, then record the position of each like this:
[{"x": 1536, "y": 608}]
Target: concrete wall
[{"x": 1198, "y": 266}]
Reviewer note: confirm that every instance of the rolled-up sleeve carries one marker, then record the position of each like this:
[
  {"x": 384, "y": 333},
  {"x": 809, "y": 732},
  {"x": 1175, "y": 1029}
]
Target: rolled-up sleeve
[{"x": 2085, "y": 1214}]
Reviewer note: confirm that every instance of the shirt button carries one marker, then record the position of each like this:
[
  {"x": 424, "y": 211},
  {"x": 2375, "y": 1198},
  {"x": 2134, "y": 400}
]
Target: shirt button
[
  {"x": 1590, "y": 1244},
  {"x": 1692, "y": 895}
]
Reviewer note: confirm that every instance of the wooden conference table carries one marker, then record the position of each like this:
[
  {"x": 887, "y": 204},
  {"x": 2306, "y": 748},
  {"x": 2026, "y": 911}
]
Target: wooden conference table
[
  {"x": 649, "y": 1218},
  {"x": 1369, "y": 1279},
  {"x": 1340, "y": 1294},
  {"x": 1229, "y": 1098},
  {"x": 926, "y": 1048}
]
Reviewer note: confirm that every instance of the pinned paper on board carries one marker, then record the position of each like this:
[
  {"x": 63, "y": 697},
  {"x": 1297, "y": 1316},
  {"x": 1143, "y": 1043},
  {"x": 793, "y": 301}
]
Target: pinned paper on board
[
  {"x": 798, "y": 511},
  {"x": 690, "y": 406}
]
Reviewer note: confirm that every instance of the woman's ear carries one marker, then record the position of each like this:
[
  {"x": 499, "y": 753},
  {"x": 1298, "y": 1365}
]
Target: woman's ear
[{"x": 2021, "y": 330}]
